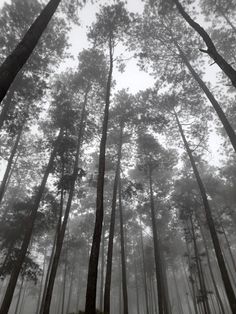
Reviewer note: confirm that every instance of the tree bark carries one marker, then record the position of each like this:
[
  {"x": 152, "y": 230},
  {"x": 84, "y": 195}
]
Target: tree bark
[
  {"x": 26, "y": 241},
  {"x": 123, "y": 257},
  {"x": 19, "y": 56},
  {"x": 90, "y": 306},
  {"x": 211, "y": 49},
  {"x": 112, "y": 229},
  {"x": 219, "y": 255},
  {"x": 102, "y": 270}
]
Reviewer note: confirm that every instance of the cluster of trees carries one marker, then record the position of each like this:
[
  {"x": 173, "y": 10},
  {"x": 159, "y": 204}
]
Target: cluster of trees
[{"x": 108, "y": 201}]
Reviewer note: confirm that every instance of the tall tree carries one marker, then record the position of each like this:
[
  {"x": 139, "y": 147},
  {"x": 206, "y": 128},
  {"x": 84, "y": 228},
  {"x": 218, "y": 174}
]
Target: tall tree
[{"x": 112, "y": 23}]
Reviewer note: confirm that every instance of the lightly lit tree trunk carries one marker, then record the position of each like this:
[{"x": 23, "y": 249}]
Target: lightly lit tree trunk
[
  {"x": 123, "y": 258},
  {"x": 90, "y": 306},
  {"x": 27, "y": 237},
  {"x": 61, "y": 234},
  {"x": 19, "y": 56},
  {"x": 219, "y": 255},
  {"x": 211, "y": 49},
  {"x": 144, "y": 271},
  {"x": 9, "y": 164},
  {"x": 112, "y": 229}
]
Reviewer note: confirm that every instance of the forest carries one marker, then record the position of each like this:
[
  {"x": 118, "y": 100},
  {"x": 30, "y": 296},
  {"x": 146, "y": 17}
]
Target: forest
[{"x": 117, "y": 157}]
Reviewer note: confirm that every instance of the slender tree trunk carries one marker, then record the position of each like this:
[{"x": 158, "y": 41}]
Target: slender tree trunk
[
  {"x": 90, "y": 306},
  {"x": 23, "y": 298},
  {"x": 201, "y": 277},
  {"x": 112, "y": 230},
  {"x": 102, "y": 270},
  {"x": 136, "y": 286},
  {"x": 64, "y": 287},
  {"x": 229, "y": 247},
  {"x": 177, "y": 294},
  {"x": 70, "y": 292},
  {"x": 210, "y": 268},
  {"x": 9, "y": 164},
  {"x": 211, "y": 49},
  {"x": 123, "y": 257},
  {"x": 41, "y": 283},
  {"x": 61, "y": 234},
  {"x": 220, "y": 259},
  {"x": 19, "y": 56},
  {"x": 50, "y": 262},
  {"x": 19, "y": 296},
  {"x": 144, "y": 272},
  {"x": 162, "y": 297},
  {"x": 227, "y": 126},
  {"x": 30, "y": 224},
  {"x": 228, "y": 20}
]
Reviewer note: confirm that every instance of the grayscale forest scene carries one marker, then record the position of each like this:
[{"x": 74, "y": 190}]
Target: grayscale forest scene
[{"x": 117, "y": 157}]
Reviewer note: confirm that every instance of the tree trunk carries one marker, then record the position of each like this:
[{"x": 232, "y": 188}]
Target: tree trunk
[
  {"x": 211, "y": 49},
  {"x": 9, "y": 164},
  {"x": 41, "y": 283},
  {"x": 30, "y": 224},
  {"x": 202, "y": 283},
  {"x": 112, "y": 230},
  {"x": 210, "y": 268},
  {"x": 144, "y": 272},
  {"x": 219, "y": 255},
  {"x": 123, "y": 257},
  {"x": 136, "y": 286},
  {"x": 61, "y": 233},
  {"x": 90, "y": 306},
  {"x": 162, "y": 297},
  {"x": 70, "y": 291},
  {"x": 177, "y": 294},
  {"x": 19, "y": 296},
  {"x": 102, "y": 269},
  {"x": 64, "y": 287},
  {"x": 227, "y": 126},
  {"x": 19, "y": 56}
]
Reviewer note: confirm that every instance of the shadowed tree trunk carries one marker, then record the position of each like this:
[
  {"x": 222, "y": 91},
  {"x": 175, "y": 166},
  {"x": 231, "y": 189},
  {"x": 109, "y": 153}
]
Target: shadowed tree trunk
[
  {"x": 27, "y": 237},
  {"x": 102, "y": 269},
  {"x": 19, "y": 56},
  {"x": 162, "y": 297},
  {"x": 211, "y": 49},
  {"x": 90, "y": 306},
  {"x": 219, "y": 255},
  {"x": 123, "y": 258},
  {"x": 112, "y": 229}
]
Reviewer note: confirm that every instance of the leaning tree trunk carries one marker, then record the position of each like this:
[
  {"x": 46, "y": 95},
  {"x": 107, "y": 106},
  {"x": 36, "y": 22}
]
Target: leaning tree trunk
[
  {"x": 211, "y": 49},
  {"x": 62, "y": 230},
  {"x": 226, "y": 124},
  {"x": 112, "y": 229},
  {"x": 123, "y": 258},
  {"x": 19, "y": 56},
  {"x": 219, "y": 255},
  {"x": 162, "y": 297},
  {"x": 90, "y": 306},
  {"x": 9, "y": 164},
  {"x": 27, "y": 237}
]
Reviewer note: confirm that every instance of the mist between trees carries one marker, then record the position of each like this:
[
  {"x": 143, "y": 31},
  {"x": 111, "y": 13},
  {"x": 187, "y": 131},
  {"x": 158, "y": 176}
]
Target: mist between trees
[{"x": 110, "y": 202}]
